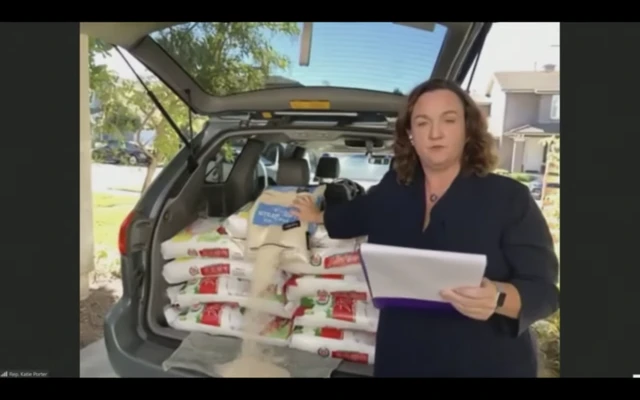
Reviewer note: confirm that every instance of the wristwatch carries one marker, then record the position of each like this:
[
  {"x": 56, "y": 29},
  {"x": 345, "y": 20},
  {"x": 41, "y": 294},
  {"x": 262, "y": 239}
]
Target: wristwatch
[{"x": 501, "y": 296}]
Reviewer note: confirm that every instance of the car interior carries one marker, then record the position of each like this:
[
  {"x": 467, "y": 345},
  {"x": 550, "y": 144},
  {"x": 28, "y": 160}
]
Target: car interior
[{"x": 215, "y": 194}]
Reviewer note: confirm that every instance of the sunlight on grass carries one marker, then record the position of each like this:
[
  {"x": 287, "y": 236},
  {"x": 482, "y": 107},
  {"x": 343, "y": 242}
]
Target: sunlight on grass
[{"x": 108, "y": 213}]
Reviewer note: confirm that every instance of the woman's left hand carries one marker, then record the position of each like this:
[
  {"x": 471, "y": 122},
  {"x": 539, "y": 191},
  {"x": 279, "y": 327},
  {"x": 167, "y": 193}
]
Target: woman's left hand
[{"x": 474, "y": 302}]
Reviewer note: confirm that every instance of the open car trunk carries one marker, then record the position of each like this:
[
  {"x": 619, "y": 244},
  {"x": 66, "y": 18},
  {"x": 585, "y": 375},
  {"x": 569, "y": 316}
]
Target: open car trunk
[{"x": 292, "y": 115}]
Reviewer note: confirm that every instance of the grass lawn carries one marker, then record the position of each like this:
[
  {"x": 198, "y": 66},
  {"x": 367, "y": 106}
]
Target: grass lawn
[{"x": 109, "y": 210}]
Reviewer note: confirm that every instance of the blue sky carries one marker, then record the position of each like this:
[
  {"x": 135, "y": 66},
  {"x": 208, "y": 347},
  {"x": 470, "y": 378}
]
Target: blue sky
[
  {"x": 368, "y": 55},
  {"x": 386, "y": 56}
]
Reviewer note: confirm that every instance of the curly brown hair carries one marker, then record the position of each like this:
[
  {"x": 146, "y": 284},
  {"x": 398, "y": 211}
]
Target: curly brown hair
[{"x": 479, "y": 154}]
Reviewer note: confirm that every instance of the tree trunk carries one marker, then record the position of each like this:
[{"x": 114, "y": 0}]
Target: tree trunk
[{"x": 151, "y": 170}]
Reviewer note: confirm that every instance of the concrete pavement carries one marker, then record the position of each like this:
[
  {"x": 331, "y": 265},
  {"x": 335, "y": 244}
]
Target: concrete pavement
[
  {"x": 108, "y": 178},
  {"x": 94, "y": 362}
]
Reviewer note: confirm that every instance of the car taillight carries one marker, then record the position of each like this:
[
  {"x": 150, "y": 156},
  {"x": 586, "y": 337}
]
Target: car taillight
[{"x": 122, "y": 236}]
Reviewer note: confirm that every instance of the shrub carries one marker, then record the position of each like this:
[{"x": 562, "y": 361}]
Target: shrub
[
  {"x": 522, "y": 177},
  {"x": 548, "y": 334}
]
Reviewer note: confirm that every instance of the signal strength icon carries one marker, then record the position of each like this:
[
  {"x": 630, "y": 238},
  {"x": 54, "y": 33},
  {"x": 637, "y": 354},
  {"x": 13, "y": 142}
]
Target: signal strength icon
[{"x": 4, "y": 374}]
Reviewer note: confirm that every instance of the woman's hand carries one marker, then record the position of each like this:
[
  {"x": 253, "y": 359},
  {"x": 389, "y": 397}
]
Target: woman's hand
[
  {"x": 474, "y": 302},
  {"x": 306, "y": 210}
]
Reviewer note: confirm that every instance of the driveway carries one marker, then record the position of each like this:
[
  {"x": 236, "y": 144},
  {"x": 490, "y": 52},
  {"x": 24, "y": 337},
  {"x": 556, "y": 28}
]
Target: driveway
[{"x": 106, "y": 177}]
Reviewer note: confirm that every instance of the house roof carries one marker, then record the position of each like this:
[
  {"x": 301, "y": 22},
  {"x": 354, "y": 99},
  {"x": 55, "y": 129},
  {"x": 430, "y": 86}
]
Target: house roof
[
  {"x": 535, "y": 130},
  {"x": 480, "y": 98},
  {"x": 526, "y": 81}
]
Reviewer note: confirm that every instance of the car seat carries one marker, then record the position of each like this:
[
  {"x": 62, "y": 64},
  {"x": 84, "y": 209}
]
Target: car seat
[
  {"x": 293, "y": 172},
  {"x": 327, "y": 170}
]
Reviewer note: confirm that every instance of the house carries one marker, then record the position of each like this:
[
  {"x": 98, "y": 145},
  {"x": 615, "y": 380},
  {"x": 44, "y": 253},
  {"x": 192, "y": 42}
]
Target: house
[{"x": 525, "y": 109}]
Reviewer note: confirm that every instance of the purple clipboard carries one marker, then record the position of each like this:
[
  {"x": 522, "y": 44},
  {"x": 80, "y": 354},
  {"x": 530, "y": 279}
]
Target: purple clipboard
[{"x": 381, "y": 302}]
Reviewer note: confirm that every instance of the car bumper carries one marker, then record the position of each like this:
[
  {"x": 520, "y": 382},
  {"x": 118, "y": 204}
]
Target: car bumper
[{"x": 132, "y": 357}]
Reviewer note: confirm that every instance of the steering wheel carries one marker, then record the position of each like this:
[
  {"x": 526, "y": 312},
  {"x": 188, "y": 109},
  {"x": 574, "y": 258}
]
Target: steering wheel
[{"x": 354, "y": 188}]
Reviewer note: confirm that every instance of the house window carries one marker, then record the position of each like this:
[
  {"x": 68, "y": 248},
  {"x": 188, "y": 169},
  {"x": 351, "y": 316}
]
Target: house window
[{"x": 555, "y": 106}]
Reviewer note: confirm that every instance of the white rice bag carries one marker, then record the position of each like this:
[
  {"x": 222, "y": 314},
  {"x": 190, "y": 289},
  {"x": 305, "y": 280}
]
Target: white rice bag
[
  {"x": 341, "y": 261},
  {"x": 185, "y": 269},
  {"x": 230, "y": 290},
  {"x": 272, "y": 224},
  {"x": 320, "y": 238},
  {"x": 337, "y": 312},
  {"x": 354, "y": 286},
  {"x": 227, "y": 320},
  {"x": 354, "y": 346},
  {"x": 203, "y": 238},
  {"x": 237, "y": 224}
]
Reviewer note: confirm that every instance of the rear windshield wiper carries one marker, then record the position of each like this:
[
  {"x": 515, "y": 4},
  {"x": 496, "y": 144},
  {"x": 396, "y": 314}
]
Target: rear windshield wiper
[{"x": 192, "y": 163}]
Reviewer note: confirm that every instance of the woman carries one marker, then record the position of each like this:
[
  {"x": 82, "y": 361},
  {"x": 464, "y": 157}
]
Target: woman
[{"x": 441, "y": 195}]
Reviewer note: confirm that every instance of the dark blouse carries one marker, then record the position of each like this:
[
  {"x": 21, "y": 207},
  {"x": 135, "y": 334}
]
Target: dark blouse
[{"x": 490, "y": 215}]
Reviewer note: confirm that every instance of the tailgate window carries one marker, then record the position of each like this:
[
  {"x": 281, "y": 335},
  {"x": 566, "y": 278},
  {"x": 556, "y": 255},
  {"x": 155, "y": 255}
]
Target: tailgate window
[{"x": 227, "y": 58}]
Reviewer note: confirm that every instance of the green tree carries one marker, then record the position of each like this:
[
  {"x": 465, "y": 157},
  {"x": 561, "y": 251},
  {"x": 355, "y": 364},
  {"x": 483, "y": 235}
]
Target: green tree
[
  {"x": 227, "y": 57},
  {"x": 223, "y": 58},
  {"x": 166, "y": 142}
]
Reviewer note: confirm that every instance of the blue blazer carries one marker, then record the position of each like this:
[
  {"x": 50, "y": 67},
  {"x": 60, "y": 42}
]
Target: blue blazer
[{"x": 492, "y": 215}]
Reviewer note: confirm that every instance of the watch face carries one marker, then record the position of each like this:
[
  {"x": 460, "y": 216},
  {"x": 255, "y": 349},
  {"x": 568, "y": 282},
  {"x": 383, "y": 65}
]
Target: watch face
[{"x": 501, "y": 298}]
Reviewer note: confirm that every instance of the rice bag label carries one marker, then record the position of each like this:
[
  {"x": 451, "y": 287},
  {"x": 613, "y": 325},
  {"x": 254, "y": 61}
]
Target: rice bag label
[
  {"x": 342, "y": 260},
  {"x": 211, "y": 270},
  {"x": 352, "y": 356},
  {"x": 339, "y": 308},
  {"x": 343, "y": 309},
  {"x": 201, "y": 286},
  {"x": 219, "y": 252},
  {"x": 273, "y": 214},
  {"x": 211, "y": 314}
]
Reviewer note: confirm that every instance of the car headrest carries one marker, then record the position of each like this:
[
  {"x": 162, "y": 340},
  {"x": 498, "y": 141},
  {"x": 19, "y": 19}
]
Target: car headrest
[
  {"x": 293, "y": 172},
  {"x": 328, "y": 167}
]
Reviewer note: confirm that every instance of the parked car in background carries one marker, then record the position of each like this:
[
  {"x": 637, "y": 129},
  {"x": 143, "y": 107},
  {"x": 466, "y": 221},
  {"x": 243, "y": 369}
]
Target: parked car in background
[
  {"x": 535, "y": 187},
  {"x": 120, "y": 152}
]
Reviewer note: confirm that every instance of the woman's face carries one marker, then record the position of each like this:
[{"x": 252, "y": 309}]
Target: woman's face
[{"x": 438, "y": 128}]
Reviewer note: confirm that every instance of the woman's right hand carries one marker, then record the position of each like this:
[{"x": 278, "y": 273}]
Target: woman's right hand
[{"x": 306, "y": 210}]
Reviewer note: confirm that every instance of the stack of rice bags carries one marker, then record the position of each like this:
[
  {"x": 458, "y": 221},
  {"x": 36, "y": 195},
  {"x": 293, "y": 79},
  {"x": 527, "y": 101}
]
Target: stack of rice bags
[
  {"x": 335, "y": 317},
  {"x": 328, "y": 291},
  {"x": 323, "y": 294},
  {"x": 209, "y": 282}
]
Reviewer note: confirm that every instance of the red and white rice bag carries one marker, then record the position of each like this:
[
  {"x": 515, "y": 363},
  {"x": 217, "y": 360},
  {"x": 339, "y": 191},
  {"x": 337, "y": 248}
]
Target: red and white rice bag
[
  {"x": 203, "y": 238},
  {"x": 354, "y": 346},
  {"x": 228, "y": 320},
  {"x": 354, "y": 286},
  {"x": 337, "y": 312},
  {"x": 339, "y": 260},
  {"x": 320, "y": 238},
  {"x": 237, "y": 224},
  {"x": 230, "y": 290},
  {"x": 185, "y": 269}
]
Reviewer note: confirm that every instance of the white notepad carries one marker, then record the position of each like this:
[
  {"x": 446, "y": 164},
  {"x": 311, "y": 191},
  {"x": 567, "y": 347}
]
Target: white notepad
[{"x": 400, "y": 276}]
